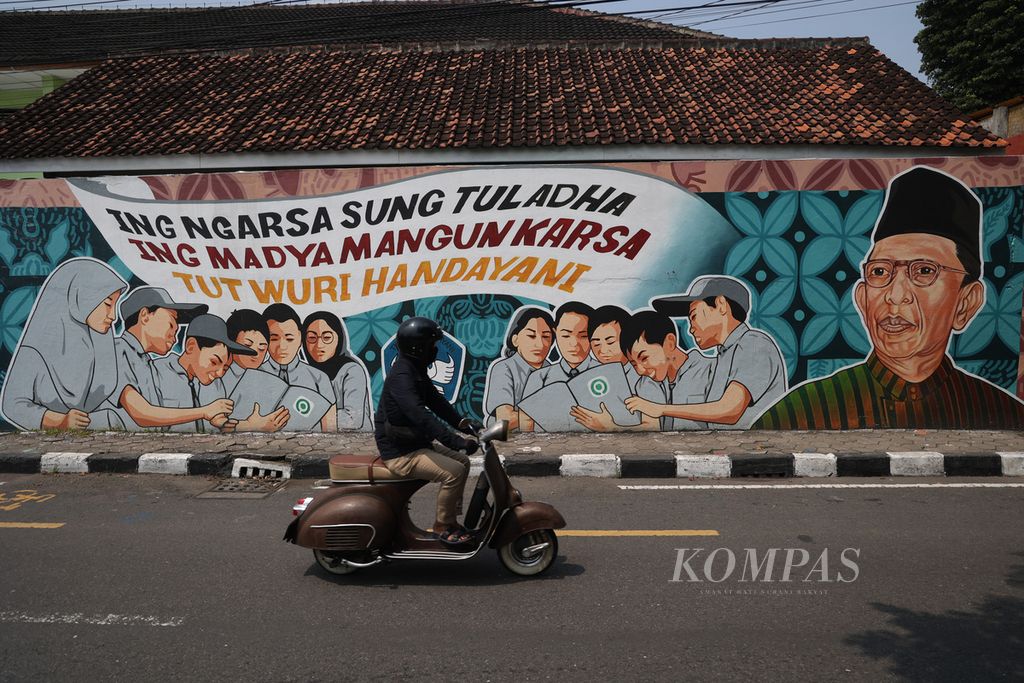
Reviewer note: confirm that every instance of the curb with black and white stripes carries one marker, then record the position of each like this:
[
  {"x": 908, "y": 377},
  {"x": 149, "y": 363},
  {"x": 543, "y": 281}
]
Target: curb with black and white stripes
[{"x": 606, "y": 465}]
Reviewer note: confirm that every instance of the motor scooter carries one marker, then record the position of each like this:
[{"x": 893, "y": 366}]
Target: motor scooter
[{"x": 362, "y": 518}]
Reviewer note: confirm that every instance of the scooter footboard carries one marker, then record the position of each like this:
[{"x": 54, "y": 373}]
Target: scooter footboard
[{"x": 524, "y": 518}]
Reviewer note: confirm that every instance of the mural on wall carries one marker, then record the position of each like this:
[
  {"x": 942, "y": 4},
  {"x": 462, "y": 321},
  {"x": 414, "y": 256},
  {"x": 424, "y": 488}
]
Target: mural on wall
[{"x": 693, "y": 295}]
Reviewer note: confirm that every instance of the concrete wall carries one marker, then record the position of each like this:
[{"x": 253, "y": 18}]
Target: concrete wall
[{"x": 661, "y": 296}]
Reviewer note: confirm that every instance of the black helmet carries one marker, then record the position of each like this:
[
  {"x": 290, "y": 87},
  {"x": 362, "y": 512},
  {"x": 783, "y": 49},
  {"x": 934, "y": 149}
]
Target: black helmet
[{"x": 417, "y": 337}]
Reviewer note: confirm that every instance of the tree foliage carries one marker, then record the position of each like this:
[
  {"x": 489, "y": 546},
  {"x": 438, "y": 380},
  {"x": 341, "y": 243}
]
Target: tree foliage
[{"x": 972, "y": 51}]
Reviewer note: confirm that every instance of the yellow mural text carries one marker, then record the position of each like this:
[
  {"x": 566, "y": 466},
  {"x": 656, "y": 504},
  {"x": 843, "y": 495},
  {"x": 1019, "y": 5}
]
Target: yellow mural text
[{"x": 530, "y": 269}]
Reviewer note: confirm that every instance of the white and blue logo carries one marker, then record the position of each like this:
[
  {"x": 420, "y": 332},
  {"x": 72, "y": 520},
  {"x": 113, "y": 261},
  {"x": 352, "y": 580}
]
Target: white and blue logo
[{"x": 445, "y": 372}]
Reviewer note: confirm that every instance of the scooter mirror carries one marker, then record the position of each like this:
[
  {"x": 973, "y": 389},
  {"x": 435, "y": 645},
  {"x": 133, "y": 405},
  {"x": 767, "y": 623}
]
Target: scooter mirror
[{"x": 496, "y": 432}]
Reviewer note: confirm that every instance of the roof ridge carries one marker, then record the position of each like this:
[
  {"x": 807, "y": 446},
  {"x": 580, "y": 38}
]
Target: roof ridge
[{"x": 683, "y": 42}]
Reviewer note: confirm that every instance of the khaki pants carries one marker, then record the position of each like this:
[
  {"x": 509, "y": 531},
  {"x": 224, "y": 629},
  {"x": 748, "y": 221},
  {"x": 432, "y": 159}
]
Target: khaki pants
[{"x": 443, "y": 465}]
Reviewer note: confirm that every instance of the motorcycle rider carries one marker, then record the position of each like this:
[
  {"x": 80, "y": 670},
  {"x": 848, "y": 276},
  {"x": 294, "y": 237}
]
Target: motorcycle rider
[{"x": 412, "y": 414}]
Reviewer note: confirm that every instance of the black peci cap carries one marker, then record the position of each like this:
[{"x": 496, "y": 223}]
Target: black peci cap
[{"x": 923, "y": 200}]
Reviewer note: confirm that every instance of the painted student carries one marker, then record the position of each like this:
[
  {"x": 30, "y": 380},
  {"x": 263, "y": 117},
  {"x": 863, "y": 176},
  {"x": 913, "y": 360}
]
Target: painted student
[
  {"x": 668, "y": 375},
  {"x": 326, "y": 344},
  {"x": 749, "y": 374},
  {"x": 283, "y": 359},
  {"x": 65, "y": 365},
  {"x": 528, "y": 341},
  {"x": 151, "y": 320},
  {"x": 571, "y": 322},
  {"x": 247, "y": 327},
  {"x": 605, "y": 333},
  {"x": 194, "y": 379},
  {"x": 920, "y": 284}
]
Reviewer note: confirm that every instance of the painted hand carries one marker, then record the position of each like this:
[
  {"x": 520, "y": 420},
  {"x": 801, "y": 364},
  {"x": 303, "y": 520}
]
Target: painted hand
[
  {"x": 598, "y": 422},
  {"x": 441, "y": 372},
  {"x": 271, "y": 422},
  {"x": 636, "y": 404},
  {"x": 221, "y": 406},
  {"x": 75, "y": 419}
]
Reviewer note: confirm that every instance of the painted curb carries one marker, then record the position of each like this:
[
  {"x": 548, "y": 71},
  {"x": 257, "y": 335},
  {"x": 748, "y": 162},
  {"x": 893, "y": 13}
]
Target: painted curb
[
  {"x": 862, "y": 465},
  {"x": 703, "y": 466},
  {"x": 814, "y": 465},
  {"x": 972, "y": 465},
  {"x": 64, "y": 463},
  {"x": 1012, "y": 464},
  {"x": 767, "y": 465},
  {"x": 208, "y": 464},
  {"x": 20, "y": 463},
  {"x": 533, "y": 467},
  {"x": 113, "y": 463},
  {"x": 164, "y": 463},
  {"x": 918, "y": 464},
  {"x": 648, "y": 468},
  {"x": 603, "y": 465}
]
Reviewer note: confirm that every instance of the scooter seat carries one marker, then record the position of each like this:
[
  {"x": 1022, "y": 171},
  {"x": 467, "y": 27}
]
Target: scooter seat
[{"x": 359, "y": 468}]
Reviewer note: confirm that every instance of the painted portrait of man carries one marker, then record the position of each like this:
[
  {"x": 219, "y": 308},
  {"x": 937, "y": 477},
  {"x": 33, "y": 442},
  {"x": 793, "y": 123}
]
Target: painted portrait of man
[{"x": 920, "y": 284}]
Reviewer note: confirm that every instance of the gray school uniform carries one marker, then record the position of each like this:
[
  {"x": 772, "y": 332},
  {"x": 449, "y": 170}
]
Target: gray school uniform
[
  {"x": 632, "y": 376},
  {"x": 506, "y": 382},
  {"x": 134, "y": 369},
  {"x": 352, "y": 397},
  {"x": 559, "y": 372},
  {"x": 299, "y": 373},
  {"x": 29, "y": 392},
  {"x": 690, "y": 385},
  {"x": 176, "y": 391},
  {"x": 232, "y": 376},
  {"x": 751, "y": 358}
]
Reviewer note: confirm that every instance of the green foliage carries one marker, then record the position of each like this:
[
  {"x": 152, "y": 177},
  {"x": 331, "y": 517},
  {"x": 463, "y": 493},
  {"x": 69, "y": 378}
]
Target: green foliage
[{"x": 972, "y": 51}]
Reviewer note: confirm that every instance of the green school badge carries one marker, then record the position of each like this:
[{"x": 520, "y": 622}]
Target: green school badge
[
  {"x": 598, "y": 386},
  {"x": 303, "y": 406}
]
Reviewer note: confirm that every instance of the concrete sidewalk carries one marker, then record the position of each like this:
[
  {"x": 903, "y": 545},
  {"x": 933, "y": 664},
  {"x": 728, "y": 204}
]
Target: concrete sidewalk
[{"x": 685, "y": 454}]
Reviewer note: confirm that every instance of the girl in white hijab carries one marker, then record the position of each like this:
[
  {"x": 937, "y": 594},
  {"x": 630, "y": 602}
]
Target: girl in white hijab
[{"x": 64, "y": 366}]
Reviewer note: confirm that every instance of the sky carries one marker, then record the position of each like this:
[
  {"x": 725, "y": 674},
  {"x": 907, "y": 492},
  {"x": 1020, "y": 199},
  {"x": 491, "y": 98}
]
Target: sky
[{"x": 889, "y": 28}]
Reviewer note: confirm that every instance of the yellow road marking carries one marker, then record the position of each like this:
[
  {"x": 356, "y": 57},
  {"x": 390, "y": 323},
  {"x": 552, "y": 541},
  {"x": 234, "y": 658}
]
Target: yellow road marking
[
  {"x": 636, "y": 532},
  {"x": 31, "y": 525}
]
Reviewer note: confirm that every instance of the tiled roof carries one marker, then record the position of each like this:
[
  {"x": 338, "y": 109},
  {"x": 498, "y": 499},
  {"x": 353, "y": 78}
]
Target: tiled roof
[
  {"x": 87, "y": 36},
  {"x": 737, "y": 93}
]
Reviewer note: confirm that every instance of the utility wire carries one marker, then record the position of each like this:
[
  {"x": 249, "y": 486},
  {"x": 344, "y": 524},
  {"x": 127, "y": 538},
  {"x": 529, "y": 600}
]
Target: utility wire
[{"x": 813, "y": 16}]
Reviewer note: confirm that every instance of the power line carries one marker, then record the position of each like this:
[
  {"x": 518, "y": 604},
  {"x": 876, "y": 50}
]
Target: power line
[{"x": 813, "y": 16}]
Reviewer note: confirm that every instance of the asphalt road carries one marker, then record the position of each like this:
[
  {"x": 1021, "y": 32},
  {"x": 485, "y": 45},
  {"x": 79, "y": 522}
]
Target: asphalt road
[{"x": 144, "y": 581}]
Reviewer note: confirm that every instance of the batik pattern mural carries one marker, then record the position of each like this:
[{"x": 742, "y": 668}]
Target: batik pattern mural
[{"x": 688, "y": 295}]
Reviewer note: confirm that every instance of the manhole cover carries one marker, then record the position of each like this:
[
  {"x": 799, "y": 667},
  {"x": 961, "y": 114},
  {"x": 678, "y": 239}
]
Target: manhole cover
[{"x": 243, "y": 488}]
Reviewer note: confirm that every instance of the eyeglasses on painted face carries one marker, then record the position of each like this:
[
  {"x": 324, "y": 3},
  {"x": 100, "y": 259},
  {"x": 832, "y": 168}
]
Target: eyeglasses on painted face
[
  {"x": 921, "y": 272},
  {"x": 326, "y": 338}
]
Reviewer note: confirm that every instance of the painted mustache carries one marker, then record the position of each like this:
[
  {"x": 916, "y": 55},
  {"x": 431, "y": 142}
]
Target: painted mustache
[{"x": 895, "y": 324}]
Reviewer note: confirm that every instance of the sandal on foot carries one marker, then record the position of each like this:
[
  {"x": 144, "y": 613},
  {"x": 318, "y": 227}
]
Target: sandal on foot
[{"x": 454, "y": 536}]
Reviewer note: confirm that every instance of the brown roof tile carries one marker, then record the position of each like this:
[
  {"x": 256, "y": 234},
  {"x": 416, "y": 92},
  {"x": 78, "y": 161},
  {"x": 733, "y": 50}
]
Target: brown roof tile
[{"x": 724, "y": 93}]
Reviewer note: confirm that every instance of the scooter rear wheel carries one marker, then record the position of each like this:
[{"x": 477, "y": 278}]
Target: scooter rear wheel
[
  {"x": 530, "y": 554},
  {"x": 332, "y": 563}
]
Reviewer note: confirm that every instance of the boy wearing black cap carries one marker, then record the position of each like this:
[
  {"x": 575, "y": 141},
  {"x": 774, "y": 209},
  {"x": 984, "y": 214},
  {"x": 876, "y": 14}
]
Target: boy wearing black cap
[{"x": 920, "y": 283}]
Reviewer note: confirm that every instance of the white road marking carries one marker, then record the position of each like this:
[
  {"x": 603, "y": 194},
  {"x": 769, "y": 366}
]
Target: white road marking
[
  {"x": 681, "y": 487},
  {"x": 92, "y": 620}
]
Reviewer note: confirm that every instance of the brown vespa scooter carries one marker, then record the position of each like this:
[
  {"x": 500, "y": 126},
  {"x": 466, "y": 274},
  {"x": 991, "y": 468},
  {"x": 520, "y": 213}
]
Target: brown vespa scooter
[{"x": 362, "y": 518}]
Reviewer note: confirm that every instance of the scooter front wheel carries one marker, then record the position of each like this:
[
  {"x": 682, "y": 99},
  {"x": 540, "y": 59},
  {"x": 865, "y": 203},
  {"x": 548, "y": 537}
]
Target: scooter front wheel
[
  {"x": 332, "y": 563},
  {"x": 530, "y": 554}
]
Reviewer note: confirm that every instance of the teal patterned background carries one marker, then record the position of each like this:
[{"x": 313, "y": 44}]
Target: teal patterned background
[{"x": 799, "y": 254}]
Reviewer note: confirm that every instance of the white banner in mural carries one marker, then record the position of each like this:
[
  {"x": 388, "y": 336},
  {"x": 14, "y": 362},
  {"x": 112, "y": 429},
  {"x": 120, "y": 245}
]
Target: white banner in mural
[{"x": 554, "y": 234}]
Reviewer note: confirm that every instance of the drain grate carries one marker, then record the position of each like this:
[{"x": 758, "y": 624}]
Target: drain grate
[{"x": 251, "y": 488}]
